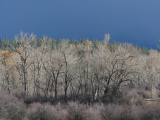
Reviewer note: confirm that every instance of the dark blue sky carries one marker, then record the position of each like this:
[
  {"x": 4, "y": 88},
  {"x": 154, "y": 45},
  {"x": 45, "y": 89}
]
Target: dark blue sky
[{"x": 133, "y": 21}]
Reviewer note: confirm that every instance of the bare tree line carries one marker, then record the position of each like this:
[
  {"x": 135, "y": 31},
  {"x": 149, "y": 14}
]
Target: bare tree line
[{"x": 68, "y": 70}]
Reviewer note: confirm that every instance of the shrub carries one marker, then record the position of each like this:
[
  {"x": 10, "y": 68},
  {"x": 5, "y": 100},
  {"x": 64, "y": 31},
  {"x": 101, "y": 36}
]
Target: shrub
[
  {"x": 147, "y": 112},
  {"x": 117, "y": 112},
  {"x": 11, "y": 108},
  {"x": 76, "y": 111},
  {"x": 93, "y": 112},
  {"x": 133, "y": 97},
  {"x": 37, "y": 111}
]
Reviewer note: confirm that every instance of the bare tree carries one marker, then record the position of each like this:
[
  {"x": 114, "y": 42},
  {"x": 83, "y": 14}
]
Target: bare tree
[
  {"x": 69, "y": 67},
  {"x": 23, "y": 51},
  {"x": 114, "y": 69},
  {"x": 52, "y": 63}
]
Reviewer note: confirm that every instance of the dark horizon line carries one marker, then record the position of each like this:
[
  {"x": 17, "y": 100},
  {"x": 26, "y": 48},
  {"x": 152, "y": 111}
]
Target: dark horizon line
[{"x": 110, "y": 41}]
